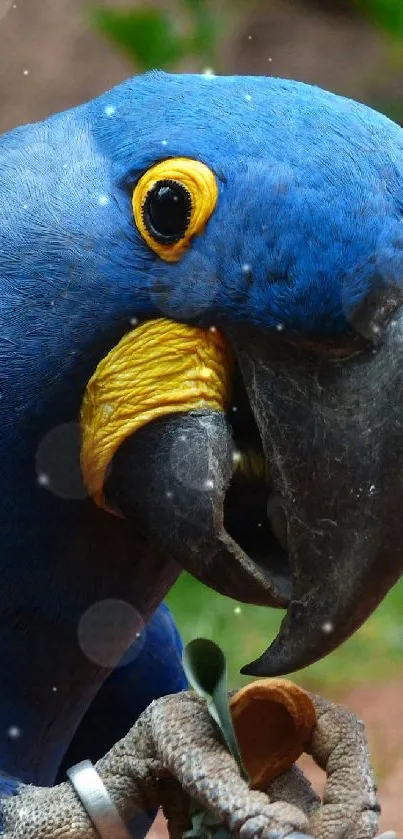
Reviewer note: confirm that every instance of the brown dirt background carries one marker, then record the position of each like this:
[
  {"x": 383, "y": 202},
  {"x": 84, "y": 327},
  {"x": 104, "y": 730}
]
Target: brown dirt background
[{"x": 68, "y": 63}]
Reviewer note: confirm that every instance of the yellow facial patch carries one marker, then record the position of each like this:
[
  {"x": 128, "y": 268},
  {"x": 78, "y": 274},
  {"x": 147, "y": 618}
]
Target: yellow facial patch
[
  {"x": 172, "y": 203},
  {"x": 159, "y": 368}
]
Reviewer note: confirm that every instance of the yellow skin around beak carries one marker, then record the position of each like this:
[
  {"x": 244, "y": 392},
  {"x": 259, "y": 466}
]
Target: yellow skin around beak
[{"x": 159, "y": 368}]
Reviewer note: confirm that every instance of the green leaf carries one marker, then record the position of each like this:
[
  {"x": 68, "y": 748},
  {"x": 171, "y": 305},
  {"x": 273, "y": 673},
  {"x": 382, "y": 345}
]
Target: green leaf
[
  {"x": 385, "y": 13},
  {"x": 206, "y": 670},
  {"x": 199, "y": 828},
  {"x": 147, "y": 36},
  {"x": 205, "y": 825}
]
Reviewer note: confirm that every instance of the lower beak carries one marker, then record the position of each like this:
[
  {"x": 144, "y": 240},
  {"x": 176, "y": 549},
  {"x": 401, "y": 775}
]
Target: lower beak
[{"x": 332, "y": 436}]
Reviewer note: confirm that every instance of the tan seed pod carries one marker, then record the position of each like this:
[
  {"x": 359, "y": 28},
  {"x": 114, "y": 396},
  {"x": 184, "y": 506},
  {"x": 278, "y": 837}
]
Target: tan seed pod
[{"x": 273, "y": 721}]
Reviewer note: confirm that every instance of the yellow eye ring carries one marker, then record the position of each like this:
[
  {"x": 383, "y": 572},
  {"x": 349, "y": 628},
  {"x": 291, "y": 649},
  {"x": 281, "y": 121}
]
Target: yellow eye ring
[{"x": 172, "y": 203}]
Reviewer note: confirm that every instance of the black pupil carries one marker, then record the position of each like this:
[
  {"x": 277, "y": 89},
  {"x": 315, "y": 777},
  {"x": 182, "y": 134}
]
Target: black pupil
[{"x": 167, "y": 211}]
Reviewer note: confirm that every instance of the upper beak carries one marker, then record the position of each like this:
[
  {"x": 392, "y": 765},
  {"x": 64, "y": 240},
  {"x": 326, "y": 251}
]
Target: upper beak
[{"x": 333, "y": 436}]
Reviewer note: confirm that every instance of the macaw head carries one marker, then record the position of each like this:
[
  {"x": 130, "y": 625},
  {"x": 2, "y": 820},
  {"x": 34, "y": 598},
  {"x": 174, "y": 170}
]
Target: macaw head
[{"x": 272, "y": 211}]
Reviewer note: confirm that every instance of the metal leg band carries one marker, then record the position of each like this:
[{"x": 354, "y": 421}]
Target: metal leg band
[{"x": 97, "y": 802}]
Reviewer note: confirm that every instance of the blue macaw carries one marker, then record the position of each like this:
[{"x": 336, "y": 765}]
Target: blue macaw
[{"x": 300, "y": 267}]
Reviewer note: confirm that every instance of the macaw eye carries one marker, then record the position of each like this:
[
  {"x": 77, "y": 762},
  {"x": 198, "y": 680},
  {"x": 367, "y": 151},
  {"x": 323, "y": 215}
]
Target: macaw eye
[
  {"x": 167, "y": 211},
  {"x": 172, "y": 203}
]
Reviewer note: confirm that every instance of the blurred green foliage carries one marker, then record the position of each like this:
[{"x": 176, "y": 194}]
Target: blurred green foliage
[
  {"x": 243, "y": 632},
  {"x": 163, "y": 37},
  {"x": 151, "y": 36},
  {"x": 388, "y": 14}
]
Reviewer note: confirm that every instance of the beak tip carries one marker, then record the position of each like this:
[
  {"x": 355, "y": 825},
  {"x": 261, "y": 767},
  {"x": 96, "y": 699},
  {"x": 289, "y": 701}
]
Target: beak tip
[
  {"x": 261, "y": 667},
  {"x": 283, "y": 656},
  {"x": 248, "y": 670}
]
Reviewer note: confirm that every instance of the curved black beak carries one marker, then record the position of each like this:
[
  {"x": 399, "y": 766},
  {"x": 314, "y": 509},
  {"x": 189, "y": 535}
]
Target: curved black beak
[
  {"x": 332, "y": 432},
  {"x": 331, "y": 426}
]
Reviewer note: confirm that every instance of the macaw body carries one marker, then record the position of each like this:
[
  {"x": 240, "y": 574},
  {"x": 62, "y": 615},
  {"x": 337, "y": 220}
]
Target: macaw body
[{"x": 307, "y": 230}]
